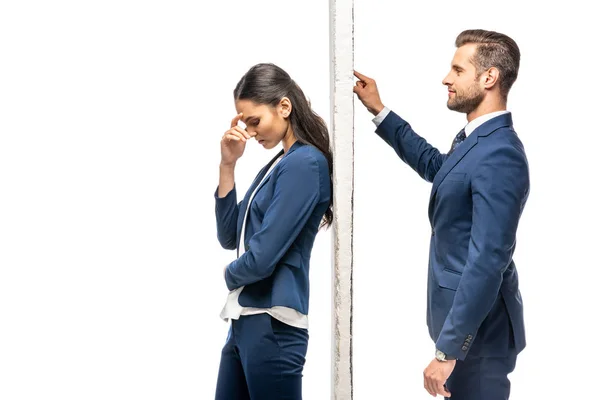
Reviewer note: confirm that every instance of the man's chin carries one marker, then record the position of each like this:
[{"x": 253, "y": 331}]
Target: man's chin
[
  {"x": 451, "y": 106},
  {"x": 461, "y": 108}
]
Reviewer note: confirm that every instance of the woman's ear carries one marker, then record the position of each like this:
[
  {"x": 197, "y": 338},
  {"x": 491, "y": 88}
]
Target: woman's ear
[{"x": 285, "y": 107}]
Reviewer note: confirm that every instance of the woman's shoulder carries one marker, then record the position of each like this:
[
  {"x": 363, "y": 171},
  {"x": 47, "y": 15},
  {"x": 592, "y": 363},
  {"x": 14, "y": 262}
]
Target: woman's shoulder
[
  {"x": 307, "y": 153},
  {"x": 304, "y": 163}
]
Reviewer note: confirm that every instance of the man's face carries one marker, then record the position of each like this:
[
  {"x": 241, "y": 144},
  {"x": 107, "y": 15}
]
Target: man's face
[{"x": 465, "y": 88}]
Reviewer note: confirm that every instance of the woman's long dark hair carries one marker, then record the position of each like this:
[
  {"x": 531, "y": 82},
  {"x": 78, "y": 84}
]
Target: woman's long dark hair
[{"x": 268, "y": 84}]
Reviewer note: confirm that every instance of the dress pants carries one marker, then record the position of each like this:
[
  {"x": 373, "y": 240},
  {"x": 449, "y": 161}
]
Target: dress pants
[
  {"x": 262, "y": 359},
  {"x": 481, "y": 378}
]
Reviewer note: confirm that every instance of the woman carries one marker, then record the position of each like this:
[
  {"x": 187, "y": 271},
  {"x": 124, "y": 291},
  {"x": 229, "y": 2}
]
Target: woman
[{"x": 273, "y": 229}]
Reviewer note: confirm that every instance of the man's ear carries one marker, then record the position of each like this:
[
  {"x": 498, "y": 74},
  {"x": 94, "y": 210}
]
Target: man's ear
[{"x": 491, "y": 77}]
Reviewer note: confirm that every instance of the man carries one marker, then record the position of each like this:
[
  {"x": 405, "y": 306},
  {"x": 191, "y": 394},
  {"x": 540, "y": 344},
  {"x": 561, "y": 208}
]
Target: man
[{"x": 474, "y": 308}]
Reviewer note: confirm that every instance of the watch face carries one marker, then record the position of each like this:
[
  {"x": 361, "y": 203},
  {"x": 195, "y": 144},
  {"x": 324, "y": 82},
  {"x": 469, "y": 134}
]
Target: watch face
[{"x": 440, "y": 355}]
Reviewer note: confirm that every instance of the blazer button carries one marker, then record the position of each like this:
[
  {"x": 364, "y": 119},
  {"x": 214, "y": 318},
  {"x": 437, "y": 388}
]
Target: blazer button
[
  {"x": 464, "y": 348},
  {"x": 433, "y": 232},
  {"x": 469, "y": 337}
]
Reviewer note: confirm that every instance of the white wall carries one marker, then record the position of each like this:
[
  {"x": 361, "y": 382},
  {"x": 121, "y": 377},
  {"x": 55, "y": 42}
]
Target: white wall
[
  {"x": 111, "y": 115},
  {"x": 407, "y": 47}
]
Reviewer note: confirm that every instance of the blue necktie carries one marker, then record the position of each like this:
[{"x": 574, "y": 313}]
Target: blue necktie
[{"x": 460, "y": 137}]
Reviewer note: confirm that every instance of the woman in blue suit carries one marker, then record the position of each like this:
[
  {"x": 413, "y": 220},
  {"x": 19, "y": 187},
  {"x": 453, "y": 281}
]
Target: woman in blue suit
[{"x": 273, "y": 230}]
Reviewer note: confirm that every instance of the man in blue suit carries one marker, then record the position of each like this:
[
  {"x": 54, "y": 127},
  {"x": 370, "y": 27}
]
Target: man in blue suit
[{"x": 480, "y": 187}]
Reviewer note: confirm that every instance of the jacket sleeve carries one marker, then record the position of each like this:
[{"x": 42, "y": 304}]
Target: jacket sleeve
[
  {"x": 226, "y": 211},
  {"x": 500, "y": 187},
  {"x": 296, "y": 194},
  {"x": 422, "y": 157}
]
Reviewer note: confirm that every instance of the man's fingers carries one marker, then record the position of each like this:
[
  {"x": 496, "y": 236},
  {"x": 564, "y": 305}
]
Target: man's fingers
[
  {"x": 441, "y": 389},
  {"x": 431, "y": 388},
  {"x": 236, "y": 119},
  {"x": 447, "y": 392},
  {"x": 362, "y": 77},
  {"x": 428, "y": 386},
  {"x": 359, "y": 87}
]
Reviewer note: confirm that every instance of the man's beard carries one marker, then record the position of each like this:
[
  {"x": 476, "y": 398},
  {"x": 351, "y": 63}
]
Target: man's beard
[{"x": 467, "y": 102}]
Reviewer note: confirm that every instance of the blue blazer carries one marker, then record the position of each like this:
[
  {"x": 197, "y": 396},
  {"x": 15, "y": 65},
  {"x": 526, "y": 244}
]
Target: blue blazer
[
  {"x": 283, "y": 220},
  {"x": 479, "y": 192}
]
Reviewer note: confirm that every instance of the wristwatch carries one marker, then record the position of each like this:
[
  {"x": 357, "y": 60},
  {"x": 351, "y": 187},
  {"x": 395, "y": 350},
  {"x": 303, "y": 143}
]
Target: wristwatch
[{"x": 441, "y": 356}]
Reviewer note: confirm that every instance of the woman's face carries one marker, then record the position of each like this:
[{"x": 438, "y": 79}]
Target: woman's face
[{"x": 270, "y": 124}]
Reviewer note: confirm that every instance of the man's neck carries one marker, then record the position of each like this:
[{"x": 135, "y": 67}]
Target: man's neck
[{"x": 485, "y": 108}]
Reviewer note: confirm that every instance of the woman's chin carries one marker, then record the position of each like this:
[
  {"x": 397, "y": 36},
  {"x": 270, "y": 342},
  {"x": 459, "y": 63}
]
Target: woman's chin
[{"x": 266, "y": 145}]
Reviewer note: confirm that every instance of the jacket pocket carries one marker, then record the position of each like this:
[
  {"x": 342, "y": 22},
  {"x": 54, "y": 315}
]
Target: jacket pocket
[{"x": 449, "y": 279}]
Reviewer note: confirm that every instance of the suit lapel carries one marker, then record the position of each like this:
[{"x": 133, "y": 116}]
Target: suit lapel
[
  {"x": 452, "y": 160},
  {"x": 484, "y": 129},
  {"x": 255, "y": 186},
  {"x": 265, "y": 169},
  {"x": 262, "y": 182}
]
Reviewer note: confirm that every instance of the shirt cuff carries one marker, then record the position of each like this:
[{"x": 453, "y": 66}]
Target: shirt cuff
[{"x": 381, "y": 116}]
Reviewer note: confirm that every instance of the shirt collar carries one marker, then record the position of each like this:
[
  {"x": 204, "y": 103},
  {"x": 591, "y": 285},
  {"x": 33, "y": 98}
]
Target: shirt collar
[{"x": 477, "y": 122}]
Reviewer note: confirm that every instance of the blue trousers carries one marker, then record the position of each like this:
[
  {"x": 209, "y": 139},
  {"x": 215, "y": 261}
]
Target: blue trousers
[
  {"x": 481, "y": 378},
  {"x": 262, "y": 359}
]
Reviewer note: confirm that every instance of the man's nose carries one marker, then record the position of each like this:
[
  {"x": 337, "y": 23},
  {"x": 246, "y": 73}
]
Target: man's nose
[{"x": 446, "y": 81}]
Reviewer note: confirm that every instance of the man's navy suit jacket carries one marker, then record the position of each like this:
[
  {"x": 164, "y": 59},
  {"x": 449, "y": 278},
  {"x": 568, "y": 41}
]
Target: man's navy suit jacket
[{"x": 479, "y": 192}]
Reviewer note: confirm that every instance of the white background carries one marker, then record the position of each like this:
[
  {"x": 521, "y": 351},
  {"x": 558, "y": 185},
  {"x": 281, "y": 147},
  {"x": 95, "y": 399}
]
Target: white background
[{"x": 110, "y": 119}]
